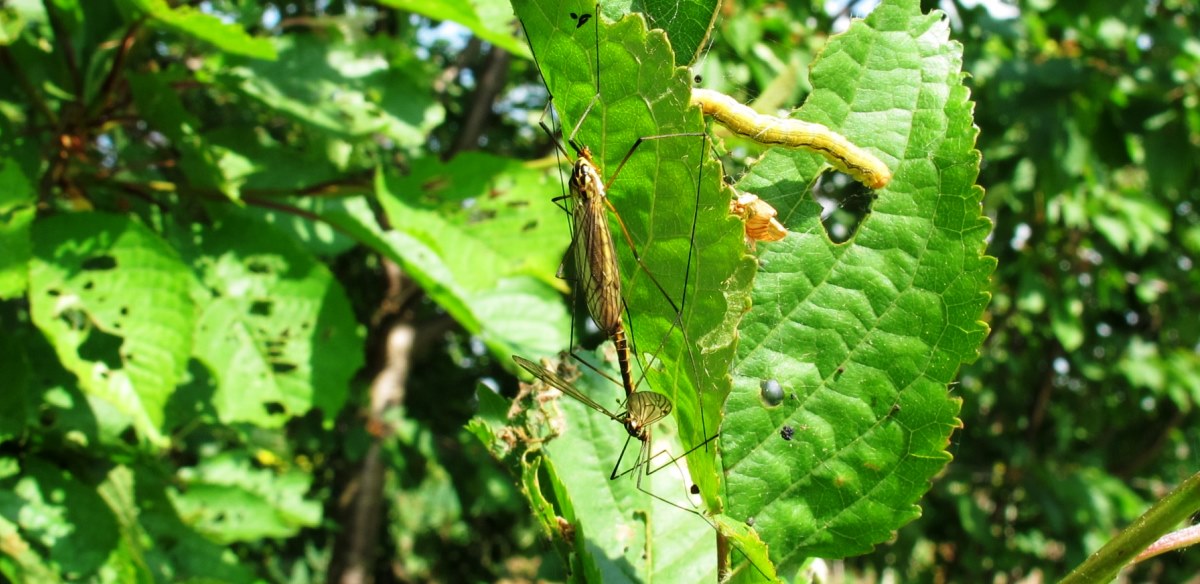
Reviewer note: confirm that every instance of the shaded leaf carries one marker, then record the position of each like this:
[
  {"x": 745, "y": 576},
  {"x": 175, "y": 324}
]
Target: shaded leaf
[
  {"x": 191, "y": 22},
  {"x": 113, "y": 300},
  {"x": 271, "y": 308}
]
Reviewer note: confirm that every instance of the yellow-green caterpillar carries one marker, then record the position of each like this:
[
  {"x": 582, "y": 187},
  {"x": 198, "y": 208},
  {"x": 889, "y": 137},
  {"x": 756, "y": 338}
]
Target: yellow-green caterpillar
[{"x": 764, "y": 129}]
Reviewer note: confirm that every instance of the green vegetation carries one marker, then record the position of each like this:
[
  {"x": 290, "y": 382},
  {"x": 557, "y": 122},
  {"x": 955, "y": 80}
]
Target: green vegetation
[{"x": 264, "y": 264}]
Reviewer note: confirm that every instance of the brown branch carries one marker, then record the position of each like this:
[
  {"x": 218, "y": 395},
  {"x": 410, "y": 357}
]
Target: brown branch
[
  {"x": 9, "y": 62},
  {"x": 489, "y": 84},
  {"x": 110, "y": 81},
  {"x": 354, "y": 561}
]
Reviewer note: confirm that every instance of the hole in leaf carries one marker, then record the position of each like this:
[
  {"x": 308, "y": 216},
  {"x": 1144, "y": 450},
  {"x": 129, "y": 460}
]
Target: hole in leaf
[
  {"x": 129, "y": 436},
  {"x": 104, "y": 262},
  {"x": 274, "y": 407},
  {"x": 102, "y": 347},
  {"x": 845, "y": 202},
  {"x": 261, "y": 308}
]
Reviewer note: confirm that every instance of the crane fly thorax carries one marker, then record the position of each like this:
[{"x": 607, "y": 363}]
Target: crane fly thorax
[{"x": 585, "y": 181}]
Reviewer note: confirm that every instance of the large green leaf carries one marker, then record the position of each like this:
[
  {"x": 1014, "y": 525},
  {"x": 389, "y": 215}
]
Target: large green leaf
[
  {"x": 113, "y": 300},
  {"x": 189, "y": 21},
  {"x": 275, "y": 330},
  {"x": 229, "y": 500},
  {"x": 17, "y": 211},
  {"x": 346, "y": 90},
  {"x": 687, "y": 23},
  {"x": 61, "y": 514},
  {"x": 482, "y": 237},
  {"x": 863, "y": 336},
  {"x": 643, "y": 94},
  {"x": 490, "y": 20}
]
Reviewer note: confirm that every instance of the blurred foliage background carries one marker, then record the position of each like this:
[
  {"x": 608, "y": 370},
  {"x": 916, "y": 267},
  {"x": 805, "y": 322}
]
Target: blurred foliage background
[{"x": 1079, "y": 412}]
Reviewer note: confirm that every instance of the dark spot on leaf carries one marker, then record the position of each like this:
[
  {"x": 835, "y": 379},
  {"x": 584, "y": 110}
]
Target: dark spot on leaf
[
  {"x": 47, "y": 418},
  {"x": 75, "y": 318},
  {"x": 787, "y": 432},
  {"x": 529, "y": 226},
  {"x": 124, "y": 311},
  {"x": 580, "y": 19},
  {"x": 258, "y": 267},
  {"x": 517, "y": 203},
  {"x": 274, "y": 407},
  {"x": 89, "y": 285},
  {"x": 283, "y": 367},
  {"x": 104, "y": 262},
  {"x": 435, "y": 184},
  {"x": 261, "y": 308},
  {"x": 53, "y": 292}
]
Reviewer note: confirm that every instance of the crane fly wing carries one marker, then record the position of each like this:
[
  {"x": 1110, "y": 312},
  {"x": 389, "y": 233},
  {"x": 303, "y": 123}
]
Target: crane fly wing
[{"x": 563, "y": 385}]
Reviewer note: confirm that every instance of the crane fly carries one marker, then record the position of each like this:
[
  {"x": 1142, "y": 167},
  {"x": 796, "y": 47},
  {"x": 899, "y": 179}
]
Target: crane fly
[
  {"x": 593, "y": 250},
  {"x": 599, "y": 275}
]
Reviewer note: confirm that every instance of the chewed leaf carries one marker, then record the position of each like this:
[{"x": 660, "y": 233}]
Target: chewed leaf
[
  {"x": 642, "y": 93},
  {"x": 865, "y": 336}
]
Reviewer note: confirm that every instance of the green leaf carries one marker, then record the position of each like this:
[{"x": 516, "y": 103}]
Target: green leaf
[
  {"x": 866, "y": 335},
  {"x": 167, "y": 546},
  {"x": 484, "y": 238},
  {"x": 61, "y": 514},
  {"x": 271, "y": 309},
  {"x": 15, "y": 400},
  {"x": 17, "y": 211},
  {"x": 191, "y": 22},
  {"x": 229, "y": 500},
  {"x": 11, "y": 24},
  {"x": 630, "y": 535},
  {"x": 164, "y": 109},
  {"x": 490, "y": 20},
  {"x": 687, "y": 23},
  {"x": 349, "y": 91},
  {"x": 644, "y": 94},
  {"x": 113, "y": 300}
]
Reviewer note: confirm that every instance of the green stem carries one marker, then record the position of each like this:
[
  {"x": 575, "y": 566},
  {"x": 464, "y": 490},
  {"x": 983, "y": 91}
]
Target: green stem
[{"x": 1160, "y": 519}]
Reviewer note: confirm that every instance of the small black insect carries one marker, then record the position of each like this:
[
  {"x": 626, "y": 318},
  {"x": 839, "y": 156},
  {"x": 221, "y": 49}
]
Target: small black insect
[
  {"x": 580, "y": 19},
  {"x": 787, "y": 432}
]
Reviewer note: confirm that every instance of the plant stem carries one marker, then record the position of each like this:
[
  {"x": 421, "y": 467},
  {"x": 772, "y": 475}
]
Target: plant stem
[{"x": 1161, "y": 518}]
